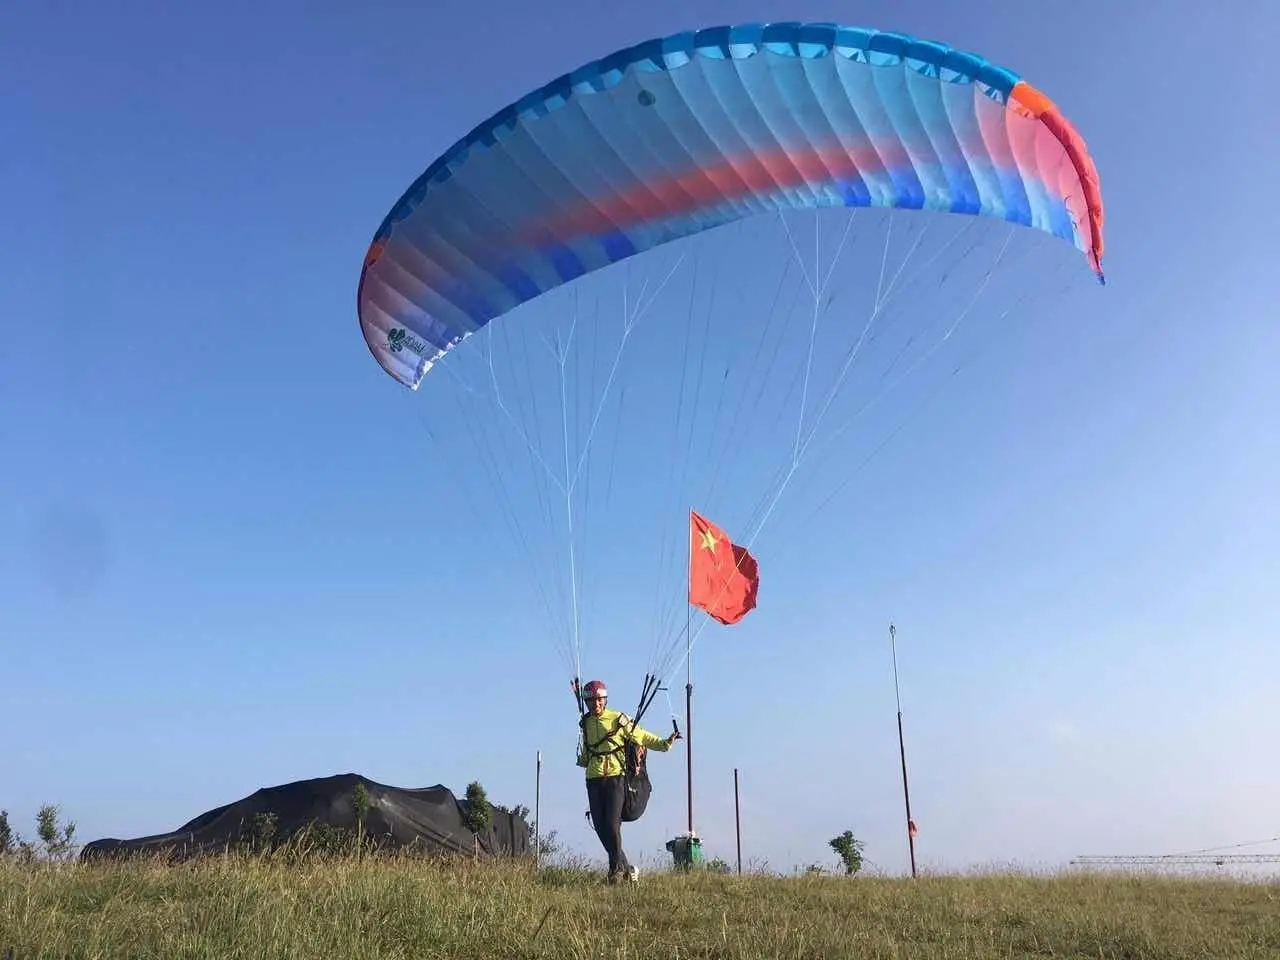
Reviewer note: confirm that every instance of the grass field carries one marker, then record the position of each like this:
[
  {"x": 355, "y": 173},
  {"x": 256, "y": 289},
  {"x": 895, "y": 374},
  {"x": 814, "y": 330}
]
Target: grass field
[{"x": 240, "y": 906}]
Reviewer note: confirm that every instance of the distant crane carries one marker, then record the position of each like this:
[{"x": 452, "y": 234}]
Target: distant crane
[
  {"x": 1211, "y": 855},
  {"x": 1219, "y": 860}
]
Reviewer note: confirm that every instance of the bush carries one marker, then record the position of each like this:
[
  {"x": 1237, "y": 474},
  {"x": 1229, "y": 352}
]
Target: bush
[{"x": 849, "y": 850}]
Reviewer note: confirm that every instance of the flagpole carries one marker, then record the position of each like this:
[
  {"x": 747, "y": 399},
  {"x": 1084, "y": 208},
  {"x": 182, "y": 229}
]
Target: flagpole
[
  {"x": 537, "y": 815},
  {"x": 902, "y": 750},
  {"x": 688, "y": 686}
]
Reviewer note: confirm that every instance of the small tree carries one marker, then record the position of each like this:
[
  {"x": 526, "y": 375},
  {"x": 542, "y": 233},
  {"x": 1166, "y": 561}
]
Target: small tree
[
  {"x": 6, "y": 834},
  {"x": 549, "y": 845},
  {"x": 262, "y": 831},
  {"x": 849, "y": 850},
  {"x": 360, "y": 803},
  {"x": 58, "y": 839},
  {"x": 479, "y": 813}
]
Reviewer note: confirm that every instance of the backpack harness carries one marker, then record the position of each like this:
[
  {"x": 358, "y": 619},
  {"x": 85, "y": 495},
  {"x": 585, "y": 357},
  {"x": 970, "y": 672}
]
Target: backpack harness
[{"x": 635, "y": 772}]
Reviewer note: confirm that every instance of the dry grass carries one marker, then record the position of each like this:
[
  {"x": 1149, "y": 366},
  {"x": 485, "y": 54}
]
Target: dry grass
[{"x": 242, "y": 907}]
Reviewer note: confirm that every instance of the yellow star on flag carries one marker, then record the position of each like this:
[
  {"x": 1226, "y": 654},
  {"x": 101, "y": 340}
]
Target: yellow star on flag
[{"x": 709, "y": 541}]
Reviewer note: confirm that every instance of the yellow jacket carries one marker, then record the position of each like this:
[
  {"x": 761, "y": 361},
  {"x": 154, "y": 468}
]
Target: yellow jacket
[{"x": 604, "y": 739}]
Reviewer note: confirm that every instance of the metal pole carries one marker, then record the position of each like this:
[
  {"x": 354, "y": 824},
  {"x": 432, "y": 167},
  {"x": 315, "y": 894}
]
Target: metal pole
[
  {"x": 688, "y": 687},
  {"x": 688, "y": 739},
  {"x": 902, "y": 750},
  {"x": 737, "y": 818},
  {"x": 537, "y": 814}
]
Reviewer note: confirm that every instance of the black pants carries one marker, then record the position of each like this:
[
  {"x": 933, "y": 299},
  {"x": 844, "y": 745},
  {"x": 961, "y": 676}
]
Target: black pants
[{"x": 605, "y": 797}]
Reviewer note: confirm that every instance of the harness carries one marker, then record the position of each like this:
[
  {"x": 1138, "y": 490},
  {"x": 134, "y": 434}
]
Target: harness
[{"x": 635, "y": 771}]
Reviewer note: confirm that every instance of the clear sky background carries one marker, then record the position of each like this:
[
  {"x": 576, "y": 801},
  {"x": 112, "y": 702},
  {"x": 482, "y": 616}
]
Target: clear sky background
[{"x": 234, "y": 553}]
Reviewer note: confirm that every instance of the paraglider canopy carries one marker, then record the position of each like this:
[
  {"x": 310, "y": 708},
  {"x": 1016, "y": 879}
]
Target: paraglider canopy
[{"x": 678, "y": 135}]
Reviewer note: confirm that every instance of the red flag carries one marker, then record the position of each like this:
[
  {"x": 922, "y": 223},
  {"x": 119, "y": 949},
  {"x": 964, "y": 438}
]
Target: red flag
[{"x": 723, "y": 577}]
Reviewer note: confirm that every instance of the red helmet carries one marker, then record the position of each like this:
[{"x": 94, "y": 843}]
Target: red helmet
[{"x": 595, "y": 688}]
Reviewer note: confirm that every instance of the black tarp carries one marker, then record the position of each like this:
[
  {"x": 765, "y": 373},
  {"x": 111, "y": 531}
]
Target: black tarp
[{"x": 430, "y": 817}]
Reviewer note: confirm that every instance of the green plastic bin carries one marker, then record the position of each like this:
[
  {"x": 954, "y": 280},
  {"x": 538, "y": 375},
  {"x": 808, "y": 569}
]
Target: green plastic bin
[{"x": 686, "y": 850}]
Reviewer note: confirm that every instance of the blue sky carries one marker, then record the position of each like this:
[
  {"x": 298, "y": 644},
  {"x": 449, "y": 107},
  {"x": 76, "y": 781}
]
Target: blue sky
[{"x": 231, "y": 555}]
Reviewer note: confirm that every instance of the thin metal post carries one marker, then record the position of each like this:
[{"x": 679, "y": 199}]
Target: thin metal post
[
  {"x": 537, "y": 814},
  {"x": 902, "y": 751},
  {"x": 737, "y": 819}
]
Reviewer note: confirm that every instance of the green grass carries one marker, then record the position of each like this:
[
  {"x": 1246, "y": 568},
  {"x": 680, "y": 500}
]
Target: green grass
[{"x": 239, "y": 906}]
